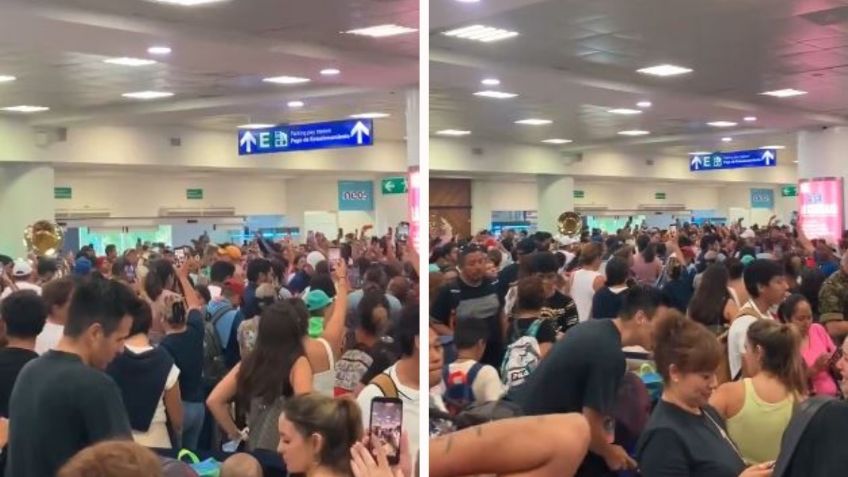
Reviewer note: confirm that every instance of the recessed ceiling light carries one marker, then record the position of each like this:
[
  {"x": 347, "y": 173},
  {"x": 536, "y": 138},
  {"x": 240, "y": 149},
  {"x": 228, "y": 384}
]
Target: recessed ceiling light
[
  {"x": 188, "y": 3},
  {"x": 382, "y": 31},
  {"x": 664, "y": 70},
  {"x": 256, "y": 126},
  {"x": 330, "y": 72},
  {"x": 534, "y": 122},
  {"x": 491, "y": 81},
  {"x": 495, "y": 94},
  {"x": 26, "y": 109},
  {"x": 482, "y": 33},
  {"x": 634, "y": 132},
  {"x": 794, "y": 162},
  {"x": 699, "y": 153},
  {"x": 644, "y": 104},
  {"x": 148, "y": 95},
  {"x": 286, "y": 80},
  {"x": 557, "y": 141},
  {"x": 468, "y": 1},
  {"x": 159, "y": 50},
  {"x": 370, "y": 115},
  {"x": 784, "y": 93},
  {"x": 295, "y": 104},
  {"x": 6, "y": 78},
  {"x": 127, "y": 61},
  {"x": 722, "y": 124},
  {"x": 624, "y": 111},
  {"x": 726, "y": 139},
  {"x": 773, "y": 147},
  {"x": 453, "y": 132},
  {"x": 749, "y": 119}
]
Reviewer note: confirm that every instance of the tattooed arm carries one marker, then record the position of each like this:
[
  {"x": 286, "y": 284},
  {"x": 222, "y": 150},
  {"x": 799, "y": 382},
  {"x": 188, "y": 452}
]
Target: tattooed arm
[{"x": 552, "y": 445}]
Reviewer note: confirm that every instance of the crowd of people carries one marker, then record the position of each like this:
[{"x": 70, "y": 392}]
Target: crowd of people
[
  {"x": 685, "y": 351},
  {"x": 263, "y": 357}
]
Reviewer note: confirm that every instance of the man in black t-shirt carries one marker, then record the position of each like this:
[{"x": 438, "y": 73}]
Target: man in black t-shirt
[
  {"x": 62, "y": 402},
  {"x": 509, "y": 275},
  {"x": 472, "y": 296},
  {"x": 559, "y": 307},
  {"x": 23, "y": 313},
  {"x": 583, "y": 371}
]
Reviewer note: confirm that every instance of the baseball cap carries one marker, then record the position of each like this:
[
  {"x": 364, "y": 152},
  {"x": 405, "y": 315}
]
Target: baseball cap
[
  {"x": 82, "y": 266},
  {"x": 230, "y": 251},
  {"x": 235, "y": 286},
  {"x": 317, "y": 299},
  {"x": 748, "y": 234},
  {"x": 22, "y": 268}
]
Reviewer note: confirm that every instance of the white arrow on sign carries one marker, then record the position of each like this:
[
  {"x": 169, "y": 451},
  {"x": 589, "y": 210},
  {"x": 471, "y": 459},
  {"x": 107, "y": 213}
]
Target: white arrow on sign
[
  {"x": 768, "y": 156},
  {"x": 390, "y": 186},
  {"x": 248, "y": 140},
  {"x": 358, "y": 130},
  {"x": 696, "y": 162}
]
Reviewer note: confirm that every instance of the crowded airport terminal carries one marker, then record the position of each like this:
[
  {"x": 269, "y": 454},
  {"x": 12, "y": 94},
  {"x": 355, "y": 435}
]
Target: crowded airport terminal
[
  {"x": 208, "y": 240},
  {"x": 637, "y": 246}
]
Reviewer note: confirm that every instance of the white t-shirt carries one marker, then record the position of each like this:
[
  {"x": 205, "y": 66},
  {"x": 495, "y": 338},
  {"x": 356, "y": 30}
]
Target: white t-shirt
[
  {"x": 157, "y": 435},
  {"x": 487, "y": 386},
  {"x": 583, "y": 291},
  {"x": 49, "y": 337},
  {"x": 411, "y": 411},
  {"x": 737, "y": 336},
  {"x": 21, "y": 286},
  {"x": 214, "y": 291}
]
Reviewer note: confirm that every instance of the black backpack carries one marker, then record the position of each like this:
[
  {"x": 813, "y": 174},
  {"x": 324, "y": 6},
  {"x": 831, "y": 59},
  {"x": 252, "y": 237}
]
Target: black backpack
[{"x": 214, "y": 366}]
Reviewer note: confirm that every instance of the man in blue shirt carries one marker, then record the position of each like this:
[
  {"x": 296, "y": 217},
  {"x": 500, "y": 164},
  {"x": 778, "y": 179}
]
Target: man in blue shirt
[{"x": 227, "y": 306}]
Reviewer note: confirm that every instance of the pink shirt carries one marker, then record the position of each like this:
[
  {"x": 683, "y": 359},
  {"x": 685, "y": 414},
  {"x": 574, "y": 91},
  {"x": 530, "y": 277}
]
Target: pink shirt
[{"x": 819, "y": 343}]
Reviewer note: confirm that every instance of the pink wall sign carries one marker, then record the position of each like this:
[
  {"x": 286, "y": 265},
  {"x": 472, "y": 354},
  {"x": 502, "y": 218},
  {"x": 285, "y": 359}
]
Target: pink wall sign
[
  {"x": 820, "y": 208},
  {"x": 414, "y": 198}
]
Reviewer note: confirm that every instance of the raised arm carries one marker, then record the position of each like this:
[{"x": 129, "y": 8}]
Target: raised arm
[{"x": 334, "y": 328}]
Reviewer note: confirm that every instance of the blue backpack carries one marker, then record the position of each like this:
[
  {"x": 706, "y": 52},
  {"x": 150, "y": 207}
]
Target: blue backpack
[{"x": 459, "y": 388}]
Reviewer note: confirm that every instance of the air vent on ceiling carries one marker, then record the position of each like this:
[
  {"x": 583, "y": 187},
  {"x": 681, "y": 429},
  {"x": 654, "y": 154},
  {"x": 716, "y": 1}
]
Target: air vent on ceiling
[
  {"x": 176, "y": 142},
  {"x": 79, "y": 214},
  {"x": 649, "y": 162},
  {"x": 477, "y": 151},
  {"x": 832, "y": 16},
  {"x": 197, "y": 212},
  {"x": 61, "y": 134}
]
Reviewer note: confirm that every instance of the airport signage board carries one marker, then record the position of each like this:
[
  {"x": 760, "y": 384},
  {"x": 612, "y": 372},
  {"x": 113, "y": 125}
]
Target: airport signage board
[
  {"x": 762, "y": 199},
  {"x": 579, "y": 194},
  {"x": 306, "y": 137},
  {"x": 733, "y": 160},
  {"x": 821, "y": 208},
  {"x": 789, "y": 191},
  {"x": 659, "y": 196},
  {"x": 62, "y": 193},
  {"x": 394, "y": 185},
  {"x": 194, "y": 194},
  {"x": 356, "y": 195}
]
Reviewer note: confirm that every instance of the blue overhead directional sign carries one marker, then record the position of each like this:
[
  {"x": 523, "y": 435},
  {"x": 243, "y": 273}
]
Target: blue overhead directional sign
[
  {"x": 305, "y": 137},
  {"x": 733, "y": 160}
]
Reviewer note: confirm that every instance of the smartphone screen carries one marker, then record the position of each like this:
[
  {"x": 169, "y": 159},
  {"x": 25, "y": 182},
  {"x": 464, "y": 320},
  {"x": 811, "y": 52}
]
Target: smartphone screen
[
  {"x": 403, "y": 232},
  {"x": 386, "y": 424},
  {"x": 335, "y": 255}
]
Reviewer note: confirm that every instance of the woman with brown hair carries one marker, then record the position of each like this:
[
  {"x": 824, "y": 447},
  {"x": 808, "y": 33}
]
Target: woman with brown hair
[
  {"x": 587, "y": 280},
  {"x": 759, "y": 408},
  {"x": 686, "y": 436}
]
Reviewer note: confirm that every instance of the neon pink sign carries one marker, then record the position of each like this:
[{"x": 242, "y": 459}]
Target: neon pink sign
[
  {"x": 414, "y": 206},
  {"x": 820, "y": 208}
]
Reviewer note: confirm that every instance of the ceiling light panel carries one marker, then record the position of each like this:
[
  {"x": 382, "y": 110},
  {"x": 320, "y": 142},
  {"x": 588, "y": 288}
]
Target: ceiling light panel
[
  {"x": 491, "y": 82},
  {"x": 634, "y": 132},
  {"x": 495, "y": 94},
  {"x": 382, "y": 31},
  {"x": 148, "y": 95},
  {"x": 256, "y": 126},
  {"x": 7, "y": 78},
  {"x": 330, "y": 72},
  {"x": 557, "y": 141},
  {"x": 534, "y": 122},
  {"x": 188, "y": 3},
  {"x": 159, "y": 50},
  {"x": 453, "y": 132},
  {"x": 625, "y": 111},
  {"x": 370, "y": 115},
  {"x": 664, "y": 70},
  {"x": 481, "y": 33},
  {"x": 286, "y": 80},
  {"x": 25, "y": 109},
  {"x": 722, "y": 124},
  {"x": 295, "y": 104},
  {"x": 785, "y": 93},
  {"x": 127, "y": 61},
  {"x": 644, "y": 104}
]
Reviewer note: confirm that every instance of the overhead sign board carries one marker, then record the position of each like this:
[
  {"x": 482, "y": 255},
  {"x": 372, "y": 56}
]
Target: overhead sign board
[
  {"x": 356, "y": 195},
  {"x": 789, "y": 191},
  {"x": 659, "y": 196},
  {"x": 306, "y": 137},
  {"x": 733, "y": 160},
  {"x": 194, "y": 194},
  {"x": 394, "y": 185},
  {"x": 62, "y": 193},
  {"x": 579, "y": 194}
]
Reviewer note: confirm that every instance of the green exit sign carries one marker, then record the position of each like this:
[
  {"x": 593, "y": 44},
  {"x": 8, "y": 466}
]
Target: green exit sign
[
  {"x": 659, "y": 195},
  {"x": 789, "y": 191},
  {"x": 394, "y": 185},
  {"x": 194, "y": 194},
  {"x": 62, "y": 192},
  {"x": 579, "y": 194}
]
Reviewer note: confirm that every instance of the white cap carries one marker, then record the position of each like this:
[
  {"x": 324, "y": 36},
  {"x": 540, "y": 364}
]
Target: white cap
[
  {"x": 748, "y": 234},
  {"x": 314, "y": 258},
  {"x": 22, "y": 268}
]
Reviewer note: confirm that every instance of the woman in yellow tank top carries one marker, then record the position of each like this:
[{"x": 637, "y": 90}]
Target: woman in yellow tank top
[{"x": 758, "y": 409}]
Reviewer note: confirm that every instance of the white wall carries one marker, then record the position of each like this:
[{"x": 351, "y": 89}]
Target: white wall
[
  {"x": 26, "y": 192},
  {"x": 142, "y": 195}
]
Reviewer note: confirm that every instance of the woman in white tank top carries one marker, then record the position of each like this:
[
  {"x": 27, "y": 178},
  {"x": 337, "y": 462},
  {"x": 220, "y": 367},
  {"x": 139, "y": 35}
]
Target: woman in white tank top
[{"x": 587, "y": 280}]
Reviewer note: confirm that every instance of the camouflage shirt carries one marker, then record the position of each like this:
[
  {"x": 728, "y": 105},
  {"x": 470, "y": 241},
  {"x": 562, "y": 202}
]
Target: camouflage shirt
[{"x": 833, "y": 297}]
